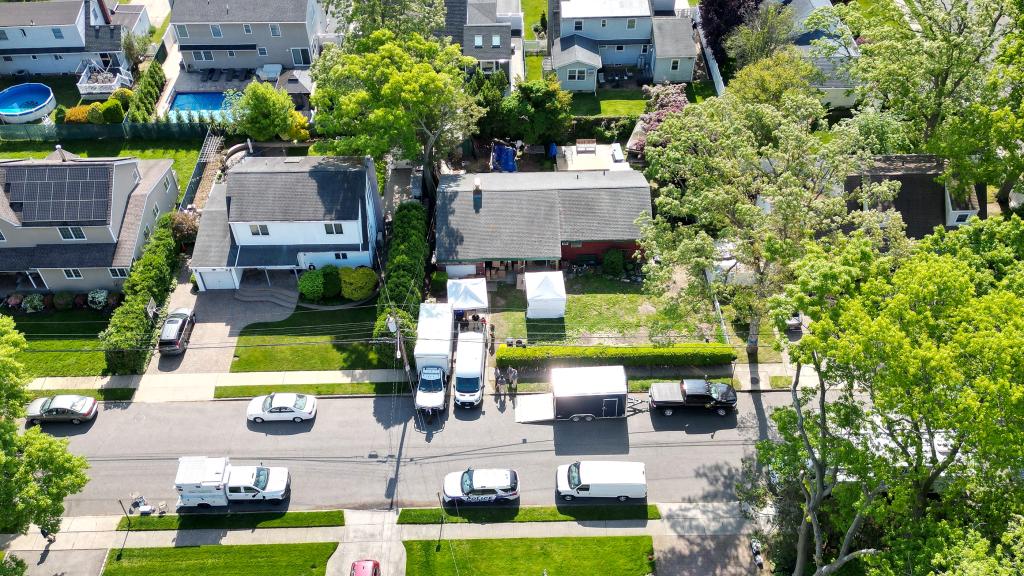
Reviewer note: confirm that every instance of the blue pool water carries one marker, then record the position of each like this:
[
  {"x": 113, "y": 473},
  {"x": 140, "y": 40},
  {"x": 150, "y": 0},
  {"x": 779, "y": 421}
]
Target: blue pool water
[
  {"x": 26, "y": 103},
  {"x": 200, "y": 102}
]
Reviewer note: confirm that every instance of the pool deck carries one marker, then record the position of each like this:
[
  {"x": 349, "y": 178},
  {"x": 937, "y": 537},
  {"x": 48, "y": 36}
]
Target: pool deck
[{"x": 190, "y": 82}]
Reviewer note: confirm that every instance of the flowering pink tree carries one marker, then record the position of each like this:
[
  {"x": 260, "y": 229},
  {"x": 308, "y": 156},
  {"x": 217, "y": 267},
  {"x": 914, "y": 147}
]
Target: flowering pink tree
[{"x": 662, "y": 100}]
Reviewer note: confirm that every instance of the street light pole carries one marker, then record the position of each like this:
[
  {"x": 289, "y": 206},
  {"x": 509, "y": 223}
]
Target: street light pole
[{"x": 394, "y": 325}]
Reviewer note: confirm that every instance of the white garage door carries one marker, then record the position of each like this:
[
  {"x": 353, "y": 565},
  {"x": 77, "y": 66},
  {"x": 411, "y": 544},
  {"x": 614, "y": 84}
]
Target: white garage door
[{"x": 218, "y": 280}]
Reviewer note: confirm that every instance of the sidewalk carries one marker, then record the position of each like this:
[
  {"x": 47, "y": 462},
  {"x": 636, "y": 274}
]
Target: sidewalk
[
  {"x": 808, "y": 376},
  {"x": 199, "y": 387}
]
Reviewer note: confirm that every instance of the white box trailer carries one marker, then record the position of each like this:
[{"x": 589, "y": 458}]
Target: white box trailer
[
  {"x": 583, "y": 393},
  {"x": 205, "y": 482},
  {"x": 433, "y": 354}
]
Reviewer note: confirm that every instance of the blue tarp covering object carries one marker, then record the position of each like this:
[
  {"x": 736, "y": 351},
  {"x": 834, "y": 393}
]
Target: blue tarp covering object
[
  {"x": 552, "y": 150},
  {"x": 503, "y": 158}
]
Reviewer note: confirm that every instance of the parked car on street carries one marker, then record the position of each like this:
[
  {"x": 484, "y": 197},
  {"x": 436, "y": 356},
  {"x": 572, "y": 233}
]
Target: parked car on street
[
  {"x": 484, "y": 485},
  {"x": 597, "y": 479},
  {"x": 470, "y": 358},
  {"x": 281, "y": 406},
  {"x": 693, "y": 393},
  {"x": 365, "y": 568},
  {"x": 176, "y": 332},
  {"x": 64, "y": 408}
]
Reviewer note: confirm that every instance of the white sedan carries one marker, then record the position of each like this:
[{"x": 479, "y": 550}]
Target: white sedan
[{"x": 294, "y": 407}]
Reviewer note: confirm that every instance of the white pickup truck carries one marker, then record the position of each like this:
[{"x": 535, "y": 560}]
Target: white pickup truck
[{"x": 205, "y": 482}]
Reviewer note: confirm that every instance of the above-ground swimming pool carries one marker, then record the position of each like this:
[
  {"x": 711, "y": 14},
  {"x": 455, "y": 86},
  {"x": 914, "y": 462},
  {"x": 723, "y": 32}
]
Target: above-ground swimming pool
[
  {"x": 202, "y": 103},
  {"x": 26, "y": 103}
]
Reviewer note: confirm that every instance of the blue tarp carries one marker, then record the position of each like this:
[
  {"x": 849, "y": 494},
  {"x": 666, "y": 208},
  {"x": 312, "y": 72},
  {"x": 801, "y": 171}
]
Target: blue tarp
[
  {"x": 552, "y": 150},
  {"x": 503, "y": 158}
]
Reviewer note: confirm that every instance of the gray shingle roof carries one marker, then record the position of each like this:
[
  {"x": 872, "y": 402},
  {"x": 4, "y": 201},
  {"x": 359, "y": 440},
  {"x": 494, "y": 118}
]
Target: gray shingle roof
[
  {"x": 673, "y": 38},
  {"x": 831, "y": 73},
  {"x": 454, "y": 18},
  {"x": 572, "y": 49},
  {"x": 481, "y": 12},
  {"x": 214, "y": 247},
  {"x": 527, "y": 215},
  {"x": 213, "y": 11},
  {"x": 152, "y": 173},
  {"x": 40, "y": 13},
  {"x": 486, "y": 51},
  {"x": 308, "y": 189},
  {"x": 49, "y": 193},
  {"x": 57, "y": 256}
]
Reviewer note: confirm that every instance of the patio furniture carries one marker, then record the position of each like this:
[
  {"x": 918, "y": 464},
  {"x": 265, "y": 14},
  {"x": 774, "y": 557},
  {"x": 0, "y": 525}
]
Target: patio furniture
[
  {"x": 206, "y": 75},
  {"x": 216, "y": 75},
  {"x": 586, "y": 145},
  {"x": 229, "y": 74}
]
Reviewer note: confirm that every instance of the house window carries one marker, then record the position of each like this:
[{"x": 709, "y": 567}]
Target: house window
[
  {"x": 58, "y": 34},
  {"x": 620, "y": 48},
  {"x": 181, "y": 31},
  {"x": 333, "y": 228},
  {"x": 577, "y": 25},
  {"x": 604, "y": 22},
  {"x": 574, "y": 74},
  {"x": 202, "y": 55},
  {"x": 231, "y": 53},
  {"x": 3, "y": 35},
  {"x": 631, "y": 24},
  {"x": 495, "y": 41},
  {"x": 72, "y": 273},
  {"x": 215, "y": 31},
  {"x": 118, "y": 272},
  {"x": 478, "y": 41},
  {"x": 259, "y": 230},
  {"x": 8, "y": 59},
  {"x": 71, "y": 233},
  {"x": 261, "y": 51},
  {"x": 246, "y": 29},
  {"x": 300, "y": 56},
  {"x": 156, "y": 210},
  {"x": 341, "y": 256},
  {"x": 275, "y": 30},
  {"x": 675, "y": 65},
  {"x": 146, "y": 232},
  {"x": 58, "y": 57},
  {"x": 644, "y": 48}
]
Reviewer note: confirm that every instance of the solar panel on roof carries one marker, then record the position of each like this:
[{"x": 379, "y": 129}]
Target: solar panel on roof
[{"x": 60, "y": 193}]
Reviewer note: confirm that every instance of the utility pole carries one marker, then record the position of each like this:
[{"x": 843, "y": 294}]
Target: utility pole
[{"x": 395, "y": 326}]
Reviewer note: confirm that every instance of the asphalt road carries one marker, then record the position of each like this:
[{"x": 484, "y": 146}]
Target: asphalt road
[{"x": 373, "y": 453}]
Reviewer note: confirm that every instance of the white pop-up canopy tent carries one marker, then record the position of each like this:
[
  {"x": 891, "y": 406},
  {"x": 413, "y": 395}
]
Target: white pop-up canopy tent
[
  {"x": 545, "y": 295},
  {"x": 468, "y": 294}
]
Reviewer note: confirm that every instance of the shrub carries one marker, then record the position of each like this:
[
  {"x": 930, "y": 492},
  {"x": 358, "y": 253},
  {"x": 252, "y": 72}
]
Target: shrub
[
  {"x": 185, "y": 227},
  {"x": 332, "y": 281},
  {"x": 32, "y": 303},
  {"x": 407, "y": 259},
  {"x": 358, "y": 283},
  {"x": 97, "y": 299},
  {"x": 63, "y": 300},
  {"x": 77, "y": 115},
  {"x": 407, "y": 323},
  {"x": 60, "y": 114},
  {"x": 95, "y": 114},
  {"x": 298, "y": 128},
  {"x": 147, "y": 93},
  {"x": 124, "y": 96},
  {"x": 14, "y": 300},
  {"x": 311, "y": 285},
  {"x": 614, "y": 263},
  {"x": 81, "y": 300},
  {"x": 113, "y": 299},
  {"x": 604, "y": 129},
  {"x": 536, "y": 357},
  {"x": 48, "y": 301},
  {"x": 439, "y": 282},
  {"x": 113, "y": 112}
]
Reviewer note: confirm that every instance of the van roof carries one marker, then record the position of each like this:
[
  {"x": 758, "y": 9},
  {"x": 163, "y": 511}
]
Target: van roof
[
  {"x": 588, "y": 381},
  {"x": 200, "y": 470},
  {"x": 609, "y": 472},
  {"x": 470, "y": 354}
]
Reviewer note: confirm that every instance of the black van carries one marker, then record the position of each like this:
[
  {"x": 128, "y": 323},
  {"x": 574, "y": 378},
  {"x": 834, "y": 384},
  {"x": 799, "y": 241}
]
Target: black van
[{"x": 176, "y": 332}]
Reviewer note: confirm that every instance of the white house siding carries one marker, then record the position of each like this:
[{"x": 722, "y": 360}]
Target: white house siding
[
  {"x": 92, "y": 278},
  {"x": 347, "y": 259},
  {"x": 615, "y": 28},
  {"x": 295, "y": 233},
  {"x": 663, "y": 70},
  {"x": 588, "y": 85},
  {"x": 628, "y": 56},
  {"x": 293, "y": 35},
  {"x": 47, "y": 63}
]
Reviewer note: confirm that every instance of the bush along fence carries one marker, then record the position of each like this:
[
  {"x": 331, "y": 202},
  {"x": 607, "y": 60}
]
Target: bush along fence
[
  {"x": 536, "y": 359},
  {"x": 134, "y": 130},
  {"x": 128, "y": 338},
  {"x": 405, "y": 272},
  {"x": 147, "y": 93},
  {"x": 606, "y": 129}
]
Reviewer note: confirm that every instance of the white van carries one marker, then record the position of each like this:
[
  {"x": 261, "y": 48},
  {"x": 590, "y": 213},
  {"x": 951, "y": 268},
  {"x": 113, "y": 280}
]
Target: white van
[
  {"x": 621, "y": 480},
  {"x": 469, "y": 369}
]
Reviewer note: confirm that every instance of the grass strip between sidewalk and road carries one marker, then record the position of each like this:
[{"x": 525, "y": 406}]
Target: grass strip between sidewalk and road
[
  {"x": 276, "y": 559},
  {"x": 484, "y": 515},
  {"x": 593, "y": 556},
  {"x": 101, "y": 394},
  {"x": 347, "y": 389},
  {"x": 229, "y": 521}
]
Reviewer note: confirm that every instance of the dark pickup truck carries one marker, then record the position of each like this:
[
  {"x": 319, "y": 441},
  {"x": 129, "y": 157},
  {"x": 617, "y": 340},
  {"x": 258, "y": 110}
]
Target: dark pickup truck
[{"x": 693, "y": 393}]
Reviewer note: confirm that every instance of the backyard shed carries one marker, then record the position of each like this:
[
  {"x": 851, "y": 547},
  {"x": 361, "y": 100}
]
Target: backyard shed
[
  {"x": 545, "y": 295},
  {"x": 467, "y": 294}
]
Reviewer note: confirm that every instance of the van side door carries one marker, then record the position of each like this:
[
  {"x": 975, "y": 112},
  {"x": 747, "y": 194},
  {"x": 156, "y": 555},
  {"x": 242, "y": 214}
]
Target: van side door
[{"x": 583, "y": 490}]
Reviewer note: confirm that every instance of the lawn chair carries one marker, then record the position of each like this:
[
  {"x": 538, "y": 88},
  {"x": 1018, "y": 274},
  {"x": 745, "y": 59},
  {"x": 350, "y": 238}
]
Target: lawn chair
[
  {"x": 216, "y": 75},
  {"x": 206, "y": 75}
]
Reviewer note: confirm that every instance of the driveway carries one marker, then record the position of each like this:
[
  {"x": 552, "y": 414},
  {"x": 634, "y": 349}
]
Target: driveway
[{"x": 219, "y": 319}]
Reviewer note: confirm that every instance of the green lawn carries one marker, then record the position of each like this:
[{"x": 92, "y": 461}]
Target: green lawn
[
  {"x": 157, "y": 34},
  {"x": 65, "y": 90},
  {"x": 697, "y": 92},
  {"x": 311, "y": 340},
  {"x": 63, "y": 343},
  {"x": 601, "y": 556},
  {"x": 598, "y": 310},
  {"x": 270, "y": 559},
  {"x": 470, "y": 514},
  {"x": 766, "y": 351},
  {"x": 610, "y": 102},
  {"x": 236, "y": 521},
  {"x": 102, "y": 394},
  {"x": 185, "y": 153},
  {"x": 377, "y": 388},
  {"x": 780, "y": 382},
  {"x": 534, "y": 67},
  {"x": 531, "y": 15}
]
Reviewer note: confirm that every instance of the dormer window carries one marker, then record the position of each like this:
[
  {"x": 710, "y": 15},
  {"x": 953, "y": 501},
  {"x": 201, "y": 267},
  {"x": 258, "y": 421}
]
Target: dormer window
[
  {"x": 246, "y": 28},
  {"x": 71, "y": 232},
  {"x": 495, "y": 41},
  {"x": 631, "y": 24},
  {"x": 215, "y": 31},
  {"x": 333, "y": 228},
  {"x": 478, "y": 41}
]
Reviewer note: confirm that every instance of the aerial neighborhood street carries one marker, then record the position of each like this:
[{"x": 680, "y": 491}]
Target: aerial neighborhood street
[{"x": 511, "y": 287}]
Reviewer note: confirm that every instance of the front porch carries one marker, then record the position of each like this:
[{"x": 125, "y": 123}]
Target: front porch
[{"x": 21, "y": 282}]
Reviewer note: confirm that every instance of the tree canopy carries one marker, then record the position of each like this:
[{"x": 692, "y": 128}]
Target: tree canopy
[
  {"x": 262, "y": 111},
  {"x": 361, "y": 18},
  {"x": 538, "y": 111},
  {"x": 773, "y": 78},
  {"x": 763, "y": 32}
]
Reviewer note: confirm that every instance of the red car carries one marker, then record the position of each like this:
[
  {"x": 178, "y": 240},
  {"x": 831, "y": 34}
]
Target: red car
[{"x": 365, "y": 568}]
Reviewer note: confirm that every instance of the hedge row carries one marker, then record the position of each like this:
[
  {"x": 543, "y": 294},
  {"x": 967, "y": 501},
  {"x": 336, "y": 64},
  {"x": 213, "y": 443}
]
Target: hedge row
[
  {"x": 407, "y": 259},
  {"x": 147, "y": 93},
  {"x": 534, "y": 357},
  {"x": 127, "y": 339}
]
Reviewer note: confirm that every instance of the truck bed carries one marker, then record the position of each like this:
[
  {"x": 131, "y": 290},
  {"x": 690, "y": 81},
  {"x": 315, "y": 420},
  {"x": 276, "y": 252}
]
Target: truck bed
[{"x": 667, "y": 393}]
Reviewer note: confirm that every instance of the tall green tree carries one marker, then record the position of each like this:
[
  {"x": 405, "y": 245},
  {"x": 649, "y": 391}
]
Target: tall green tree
[
  {"x": 262, "y": 111},
  {"x": 741, "y": 186},
  {"x": 773, "y": 78},
  {"x": 361, "y": 18},
  {"x": 490, "y": 92},
  {"x": 388, "y": 92},
  {"x": 764, "y": 31},
  {"x": 134, "y": 47},
  {"x": 36, "y": 470},
  {"x": 538, "y": 111}
]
